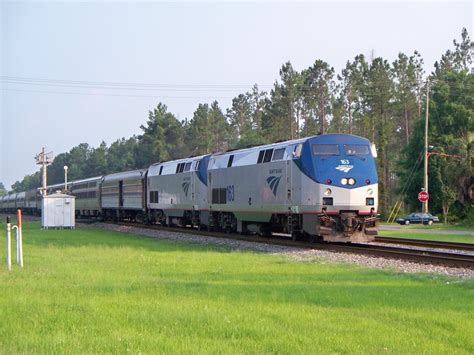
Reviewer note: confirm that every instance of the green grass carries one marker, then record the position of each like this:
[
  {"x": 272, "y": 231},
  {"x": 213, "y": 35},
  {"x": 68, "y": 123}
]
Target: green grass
[
  {"x": 89, "y": 291},
  {"x": 436, "y": 226},
  {"x": 428, "y": 236}
]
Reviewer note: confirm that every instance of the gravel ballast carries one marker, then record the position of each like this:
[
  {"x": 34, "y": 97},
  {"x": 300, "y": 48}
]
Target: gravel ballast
[{"x": 293, "y": 253}]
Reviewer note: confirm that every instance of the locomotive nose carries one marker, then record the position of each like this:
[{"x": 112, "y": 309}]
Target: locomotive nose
[{"x": 349, "y": 220}]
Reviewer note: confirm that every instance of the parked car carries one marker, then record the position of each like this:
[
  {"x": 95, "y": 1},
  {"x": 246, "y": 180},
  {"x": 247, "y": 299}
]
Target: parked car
[{"x": 418, "y": 217}]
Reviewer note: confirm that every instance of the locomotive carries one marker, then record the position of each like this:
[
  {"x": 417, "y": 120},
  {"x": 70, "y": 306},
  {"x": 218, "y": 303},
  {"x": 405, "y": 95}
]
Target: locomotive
[{"x": 321, "y": 187}]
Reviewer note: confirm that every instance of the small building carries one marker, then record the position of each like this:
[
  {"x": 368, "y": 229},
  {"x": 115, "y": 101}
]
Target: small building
[{"x": 58, "y": 211}]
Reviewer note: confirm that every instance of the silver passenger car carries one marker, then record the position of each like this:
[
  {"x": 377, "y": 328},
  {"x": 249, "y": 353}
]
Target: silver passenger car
[
  {"x": 87, "y": 194},
  {"x": 123, "y": 195}
]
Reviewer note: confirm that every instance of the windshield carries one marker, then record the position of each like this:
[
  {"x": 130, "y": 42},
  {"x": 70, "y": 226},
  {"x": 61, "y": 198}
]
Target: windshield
[
  {"x": 325, "y": 149},
  {"x": 356, "y": 149}
]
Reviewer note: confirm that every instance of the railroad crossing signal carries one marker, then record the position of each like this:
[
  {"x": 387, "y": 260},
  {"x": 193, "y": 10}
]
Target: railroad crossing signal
[{"x": 423, "y": 196}]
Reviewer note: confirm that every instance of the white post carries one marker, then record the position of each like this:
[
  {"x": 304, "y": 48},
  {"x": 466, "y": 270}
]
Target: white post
[
  {"x": 65, "y": 178},
  {"x": 17, "y": 242},
  {"x": 9, "y": 250},
  {"x": 20, "y": 246}
]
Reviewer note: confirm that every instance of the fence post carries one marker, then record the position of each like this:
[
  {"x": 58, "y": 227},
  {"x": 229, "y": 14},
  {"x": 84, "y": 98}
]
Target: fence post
[
  {"x": 19, "y": 241},
  {"x": 9, "y": 250}
]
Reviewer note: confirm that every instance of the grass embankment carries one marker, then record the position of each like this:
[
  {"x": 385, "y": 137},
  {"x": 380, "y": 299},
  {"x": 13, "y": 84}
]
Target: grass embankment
[
  {"x": 428, "y": 236},
  {"x": 434, "y": 226},
  {"x": 89, "y": 291}
]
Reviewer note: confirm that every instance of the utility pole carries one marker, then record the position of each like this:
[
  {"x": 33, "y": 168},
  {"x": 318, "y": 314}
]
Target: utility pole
[
  {"x": 425, "y": 178},
  {"x": 44, "y": 159}
]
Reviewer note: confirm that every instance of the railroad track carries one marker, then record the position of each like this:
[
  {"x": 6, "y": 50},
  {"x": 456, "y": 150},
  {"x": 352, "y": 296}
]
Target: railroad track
[
  {"x": 416, "y": 255},
  {"x": 426, "y": 243}
]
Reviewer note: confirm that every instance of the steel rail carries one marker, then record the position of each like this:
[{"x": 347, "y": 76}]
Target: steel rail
[
  {"x": 416, "y": 255},
  {"x": 426, "y": 243}
]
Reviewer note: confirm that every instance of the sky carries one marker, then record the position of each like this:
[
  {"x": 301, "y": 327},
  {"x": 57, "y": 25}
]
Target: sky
[{"x": 87, "y": 72}]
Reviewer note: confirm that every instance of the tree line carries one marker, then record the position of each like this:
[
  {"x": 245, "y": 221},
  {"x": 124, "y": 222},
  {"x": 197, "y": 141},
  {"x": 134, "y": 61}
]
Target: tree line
[{"x": 371, "y": 97}]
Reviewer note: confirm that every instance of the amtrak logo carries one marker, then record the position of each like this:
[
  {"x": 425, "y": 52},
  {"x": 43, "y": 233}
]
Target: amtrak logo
[
  {"x": 273, "y": 182},
  {"x": 344, "y": 168},
  {"x": 185, "y": 186}
]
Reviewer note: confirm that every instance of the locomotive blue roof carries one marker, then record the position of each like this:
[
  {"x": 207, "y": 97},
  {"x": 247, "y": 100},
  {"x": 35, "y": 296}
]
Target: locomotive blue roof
[{"x": 334, "y": 167}]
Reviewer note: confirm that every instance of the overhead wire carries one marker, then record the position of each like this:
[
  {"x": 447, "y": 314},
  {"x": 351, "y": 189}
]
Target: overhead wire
[{"x": 398, "y": 203}]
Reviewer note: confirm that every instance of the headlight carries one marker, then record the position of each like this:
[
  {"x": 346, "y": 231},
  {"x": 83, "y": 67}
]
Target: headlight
[
  {"x": 344, "y": 181},
  {"x": 370, "y": 192},
  {"x": 328, "y": 192},
  {"x": 351, "y": 181}
]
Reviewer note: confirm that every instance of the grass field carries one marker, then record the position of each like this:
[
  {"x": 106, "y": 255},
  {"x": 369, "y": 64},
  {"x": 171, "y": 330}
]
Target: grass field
[
  {"x": 428, "y": 236},
  {"x": 436, "y": 226},
  {"x": 90, "y": 291}
]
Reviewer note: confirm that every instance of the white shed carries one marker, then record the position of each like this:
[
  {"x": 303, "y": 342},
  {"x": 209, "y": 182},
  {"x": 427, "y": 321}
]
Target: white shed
[{"x": 58, "y": 211}]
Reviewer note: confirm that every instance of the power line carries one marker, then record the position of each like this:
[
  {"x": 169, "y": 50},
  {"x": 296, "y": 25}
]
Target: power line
[
  {"x": 119, "y": 95},
  {"x": 13, "y": 79}
]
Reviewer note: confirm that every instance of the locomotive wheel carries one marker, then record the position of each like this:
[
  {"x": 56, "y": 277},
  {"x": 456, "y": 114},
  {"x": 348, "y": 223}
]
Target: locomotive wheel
[{"x": 296, "y": 236}]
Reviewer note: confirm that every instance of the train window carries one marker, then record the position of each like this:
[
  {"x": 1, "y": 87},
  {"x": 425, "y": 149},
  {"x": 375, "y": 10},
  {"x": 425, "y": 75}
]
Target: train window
[
  {"x": 153, "y": 196},
  {"x": 297, "y": 150},
  {"x": 161, "y": 170},
  {"x": 180, "y": 168},
  {"x": 223, "y": 195},
  {"x": 187, "y": 167},
  {"x": 260, "y": 156},
  {"x": 325, "y": 149},
  {"x": 356, "y": 149},
  {"x": 197, "y": 165},
  {"x": 215, "y": 195},
  {"x": 278, "y": 154},
  {"x": 229, "y": 162},
  {"x": 219, "y": 196},
  {"x": 268, "y": 155}
]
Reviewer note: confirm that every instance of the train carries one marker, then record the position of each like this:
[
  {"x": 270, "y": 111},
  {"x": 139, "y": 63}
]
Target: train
[{"x": 322, "y": 187}]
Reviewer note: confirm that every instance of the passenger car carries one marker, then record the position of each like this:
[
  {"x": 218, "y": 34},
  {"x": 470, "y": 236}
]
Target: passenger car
[{"x": 418, "y": 217}]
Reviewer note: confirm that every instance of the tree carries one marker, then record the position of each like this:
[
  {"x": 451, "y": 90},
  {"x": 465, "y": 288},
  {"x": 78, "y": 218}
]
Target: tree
[
  {"x": 378, "y": 124},
  {"x": 98, "y": 160},
  {"x": 123, "y": 155},
  {"x": 3, "y": 190},
  {"x": 351, "y": 81},
  {"x": 219, "y": 129},
  {"x": 162, "y": 138},
  {"x": 407, "y": 73},
  {"x": 451, "y": 125},
  {"x": 27, "y": 183},
  {"x": 289, "y": 95},
  {"x": 240, "y": 116},
  {"x": 319, "y": 85}
]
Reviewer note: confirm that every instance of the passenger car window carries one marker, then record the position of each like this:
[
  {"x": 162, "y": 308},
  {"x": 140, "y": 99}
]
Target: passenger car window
[
  {"x": 229, "y": 162},
  {"x": 278, "y": 154},
  {"x": 356, "y": 149},
  {"x": 325, "y": 149},
  {"x": 268, "y": 155}
]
